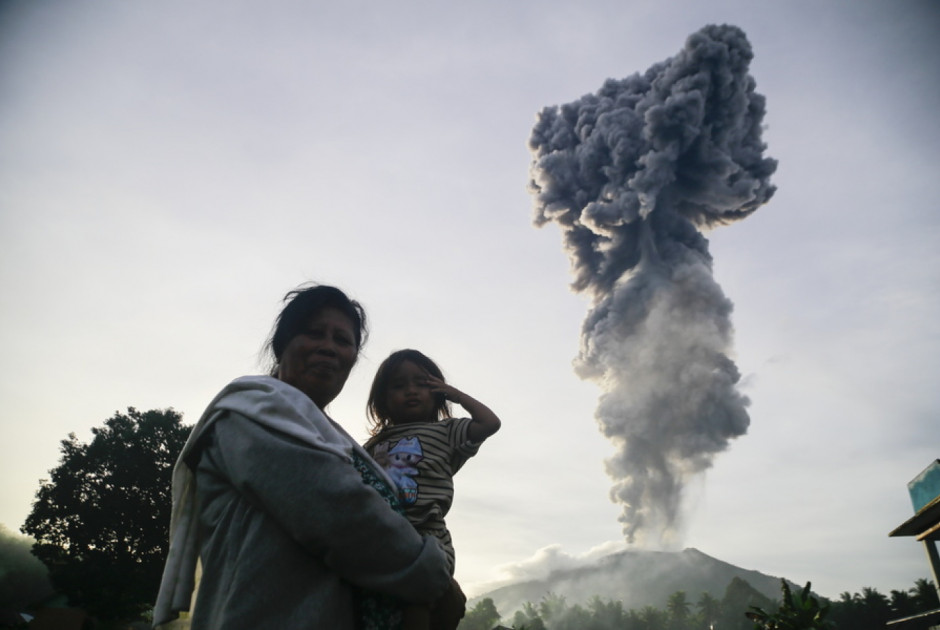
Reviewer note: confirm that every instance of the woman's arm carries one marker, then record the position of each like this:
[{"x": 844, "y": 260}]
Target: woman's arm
[{"x": 320, "y": 500}]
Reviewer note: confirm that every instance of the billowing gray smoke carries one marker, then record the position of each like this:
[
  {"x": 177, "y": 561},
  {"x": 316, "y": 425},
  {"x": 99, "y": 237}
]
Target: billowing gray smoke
[{"x": 631, "y": 174}]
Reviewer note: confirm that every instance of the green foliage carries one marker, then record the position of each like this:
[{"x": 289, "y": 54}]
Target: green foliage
[
  {"x": 101, "y": 520},
  {"x": 709, "y": 610},
  {"x": 552, "y": 607},
  {"x": 739, "y": 597},
  {"x": 483, "y": 616},
  {"x": 527, "y": 618},
  {"x": 870, "y": 610},
  {"x": 679, "y": 609},
  {"x": 24, "y": 580},
  {"x": 606, "y": 614},
  {"x": 799, "y": 611},
  {"x": 653, "y": 618},
  {"x": 925, "y": 595},
  {"x": 742, "y": 608}
]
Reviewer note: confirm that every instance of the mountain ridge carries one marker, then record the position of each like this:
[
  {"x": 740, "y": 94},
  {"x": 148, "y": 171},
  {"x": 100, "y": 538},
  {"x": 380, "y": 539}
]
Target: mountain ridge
[{"x": 635, "y": 578}]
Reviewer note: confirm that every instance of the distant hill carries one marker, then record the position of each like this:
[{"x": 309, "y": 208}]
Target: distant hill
[{"x": 636, "y": 578}]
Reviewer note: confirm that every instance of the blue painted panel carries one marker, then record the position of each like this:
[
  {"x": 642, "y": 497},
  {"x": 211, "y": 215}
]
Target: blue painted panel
[{"x": 925, "y": 487}]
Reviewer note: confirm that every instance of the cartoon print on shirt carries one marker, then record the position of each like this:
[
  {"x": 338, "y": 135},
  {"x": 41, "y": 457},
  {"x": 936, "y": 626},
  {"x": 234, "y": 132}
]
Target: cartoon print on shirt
[
  {"x": 380, "y": 454},
  {"x": 400, "y": 461}
]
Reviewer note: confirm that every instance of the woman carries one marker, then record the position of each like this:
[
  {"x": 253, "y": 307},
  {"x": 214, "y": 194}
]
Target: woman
[{"x": 282, "y": 507}]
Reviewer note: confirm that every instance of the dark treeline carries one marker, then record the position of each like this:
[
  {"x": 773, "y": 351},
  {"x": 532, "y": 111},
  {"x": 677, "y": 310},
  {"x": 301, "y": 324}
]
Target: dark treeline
[{"x": 868, "y": 610}]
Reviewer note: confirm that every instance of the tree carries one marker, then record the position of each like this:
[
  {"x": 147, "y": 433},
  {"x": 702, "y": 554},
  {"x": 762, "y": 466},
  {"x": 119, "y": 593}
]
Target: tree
[
  {"x": 709, "y": 609},
  {"x": 24, "y": 580},
  {"x": 608, "y": 614},
  {"x": 678, "y": 608},
  {"x": 869, "y": 610},
  {"x": 528, "y": 618},
  {"x": 902, "y": 604},
  {"x": 739, "y": 596},
  {"x": 101, "y": 520},
  {"x": 925, "y": 595},
  {"x": 653, "y": 618},
  {"x": 552, "y": 607},
  {"x": 483, "y": 616},
  {"x": 848, "y": 611},
  {"x": 573, "y": 618},
  {"x": 799, "y": 611},
  {"x": 877, "y": 606}
]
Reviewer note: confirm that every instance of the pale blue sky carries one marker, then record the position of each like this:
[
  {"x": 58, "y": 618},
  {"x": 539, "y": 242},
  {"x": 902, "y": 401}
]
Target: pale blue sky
[{"x": 169, "y": 171}]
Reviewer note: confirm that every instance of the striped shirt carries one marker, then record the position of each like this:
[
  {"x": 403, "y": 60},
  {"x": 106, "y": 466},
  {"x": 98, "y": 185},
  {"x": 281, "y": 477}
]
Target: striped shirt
[{"x": 422, "y": 458}]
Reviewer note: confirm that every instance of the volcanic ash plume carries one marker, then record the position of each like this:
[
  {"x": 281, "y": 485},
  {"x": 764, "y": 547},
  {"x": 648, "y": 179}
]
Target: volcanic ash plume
[{"x": 631, "y": 174}]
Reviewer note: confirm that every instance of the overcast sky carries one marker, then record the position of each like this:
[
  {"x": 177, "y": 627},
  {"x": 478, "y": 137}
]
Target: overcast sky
[{"x": 169, "y": 170}]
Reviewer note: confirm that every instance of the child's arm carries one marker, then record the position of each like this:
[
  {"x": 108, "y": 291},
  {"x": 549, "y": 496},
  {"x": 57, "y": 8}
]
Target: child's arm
[{"x": 484, "y": 422}]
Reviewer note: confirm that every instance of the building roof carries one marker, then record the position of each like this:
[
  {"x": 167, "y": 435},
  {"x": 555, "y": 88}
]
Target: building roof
[{"x": 925, "y": 525}]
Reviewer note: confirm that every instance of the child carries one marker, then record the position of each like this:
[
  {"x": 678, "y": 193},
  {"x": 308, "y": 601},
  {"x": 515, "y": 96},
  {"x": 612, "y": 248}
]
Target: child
[{"x": 422, "y": 447}]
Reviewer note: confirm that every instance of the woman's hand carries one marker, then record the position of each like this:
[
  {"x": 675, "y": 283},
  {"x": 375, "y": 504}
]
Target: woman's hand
[{"x": 449, "y": 609}]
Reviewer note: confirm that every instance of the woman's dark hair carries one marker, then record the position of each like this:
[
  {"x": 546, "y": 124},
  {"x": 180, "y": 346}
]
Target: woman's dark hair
[
  {"x": 377, "y": 406},
  {"x": 305, "y": 303}
]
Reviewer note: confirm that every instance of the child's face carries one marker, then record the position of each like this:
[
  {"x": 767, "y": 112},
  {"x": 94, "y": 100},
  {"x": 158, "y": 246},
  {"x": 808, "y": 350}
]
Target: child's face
[{"x": 409, "y": 396}]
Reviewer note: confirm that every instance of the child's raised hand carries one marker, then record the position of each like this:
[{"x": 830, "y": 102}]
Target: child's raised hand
[
  {"x": 438, "y": 386},
  {"x": 485, "y": 422}
]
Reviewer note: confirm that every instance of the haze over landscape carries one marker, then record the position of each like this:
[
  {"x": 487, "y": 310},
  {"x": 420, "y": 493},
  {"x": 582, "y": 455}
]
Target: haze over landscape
[{"x": 168, "y": 172}]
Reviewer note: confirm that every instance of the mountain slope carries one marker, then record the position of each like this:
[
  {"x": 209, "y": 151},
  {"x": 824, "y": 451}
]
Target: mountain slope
[{"x": 636, "y": 578}]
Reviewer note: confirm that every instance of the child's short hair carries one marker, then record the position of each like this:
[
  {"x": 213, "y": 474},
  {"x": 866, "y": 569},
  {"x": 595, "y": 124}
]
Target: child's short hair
[{"x": 377, "y": 406}]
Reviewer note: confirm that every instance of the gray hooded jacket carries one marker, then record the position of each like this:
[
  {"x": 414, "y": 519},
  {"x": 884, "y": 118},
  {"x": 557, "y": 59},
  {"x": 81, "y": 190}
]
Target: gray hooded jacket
[{"x": 266, "y": 494}]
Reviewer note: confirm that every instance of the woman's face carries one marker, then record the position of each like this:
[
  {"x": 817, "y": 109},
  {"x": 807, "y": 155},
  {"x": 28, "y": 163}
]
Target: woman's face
[{"x": 318, "y": 360}]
